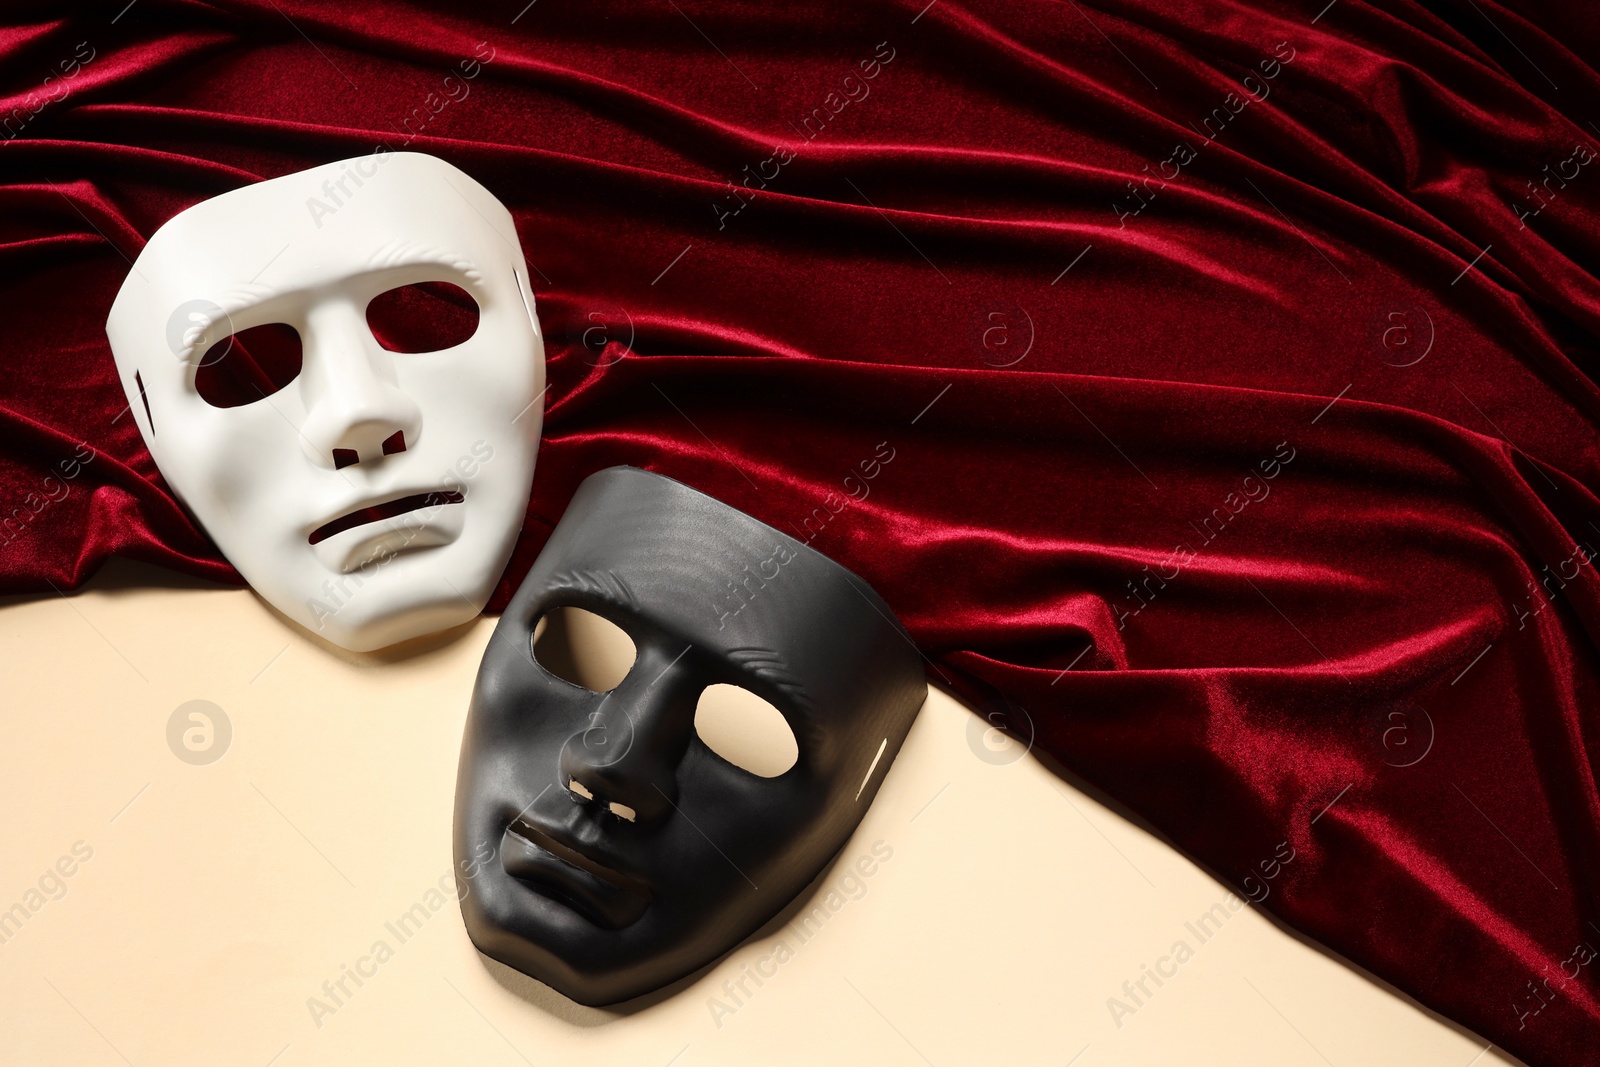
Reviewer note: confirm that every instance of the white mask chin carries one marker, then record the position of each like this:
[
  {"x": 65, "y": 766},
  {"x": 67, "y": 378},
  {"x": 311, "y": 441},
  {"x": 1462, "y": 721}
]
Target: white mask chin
[{"x": 281, "y": 467}]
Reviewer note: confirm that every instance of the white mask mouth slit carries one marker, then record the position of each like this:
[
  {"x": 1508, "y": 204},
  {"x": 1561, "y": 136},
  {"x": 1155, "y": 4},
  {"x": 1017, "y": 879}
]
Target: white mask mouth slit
[{"x": 387, "y": 510}]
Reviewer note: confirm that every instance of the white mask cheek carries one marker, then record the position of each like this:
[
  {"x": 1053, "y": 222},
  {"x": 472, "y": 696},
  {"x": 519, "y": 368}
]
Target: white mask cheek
[
  {"x": 483, "y": 408},
  {"x": 257, "y": 481},
  {"x": 241, "y": 472}
]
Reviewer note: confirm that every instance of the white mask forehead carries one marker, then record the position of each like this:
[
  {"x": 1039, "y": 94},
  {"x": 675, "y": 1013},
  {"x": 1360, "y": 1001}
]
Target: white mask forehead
[{"x": 308, "y": 230}]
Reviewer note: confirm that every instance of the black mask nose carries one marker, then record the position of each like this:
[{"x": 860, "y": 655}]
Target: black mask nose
[{"x": 629, "y": 753}]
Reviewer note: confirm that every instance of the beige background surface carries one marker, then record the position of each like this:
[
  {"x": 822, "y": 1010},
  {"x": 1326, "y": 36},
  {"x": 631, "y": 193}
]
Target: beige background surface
[{"x": 219, "y": 898}]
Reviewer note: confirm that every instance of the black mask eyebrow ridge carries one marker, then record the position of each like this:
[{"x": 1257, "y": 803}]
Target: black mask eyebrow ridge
[
  {"x": 770, "y": 667},
  {"x": 604, "y": 584}
]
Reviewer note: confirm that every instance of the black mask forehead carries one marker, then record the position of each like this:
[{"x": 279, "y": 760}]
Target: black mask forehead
[{"x": 655, "y": 555}]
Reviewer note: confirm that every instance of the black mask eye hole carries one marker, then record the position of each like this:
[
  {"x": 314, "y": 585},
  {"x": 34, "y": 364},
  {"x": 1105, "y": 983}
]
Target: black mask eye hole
[
  {"x": 745, "y": 730},
  {"x": 583, "y": 648},
  {"x": 243, "y": 367},
  {"x": 424, "y": 317}
]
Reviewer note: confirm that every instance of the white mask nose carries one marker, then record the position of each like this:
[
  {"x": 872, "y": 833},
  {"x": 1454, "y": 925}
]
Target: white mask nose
[{"x": 356, "y": 411}]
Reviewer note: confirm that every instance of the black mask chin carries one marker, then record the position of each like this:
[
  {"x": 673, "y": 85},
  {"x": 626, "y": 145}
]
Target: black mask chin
[{"x": 602, "y": 846}]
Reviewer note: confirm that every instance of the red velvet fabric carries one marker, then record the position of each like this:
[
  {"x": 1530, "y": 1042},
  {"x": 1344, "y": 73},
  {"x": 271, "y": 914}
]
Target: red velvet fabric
[{"x": 1210, "y": 386}]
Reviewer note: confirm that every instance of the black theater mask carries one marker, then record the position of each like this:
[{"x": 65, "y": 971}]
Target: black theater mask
[{"x": 603, "y": 844}]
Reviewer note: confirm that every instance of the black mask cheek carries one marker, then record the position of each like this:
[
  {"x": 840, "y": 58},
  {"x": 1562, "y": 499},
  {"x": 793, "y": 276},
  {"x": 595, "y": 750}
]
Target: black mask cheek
[{"x": 626, "y": 853}]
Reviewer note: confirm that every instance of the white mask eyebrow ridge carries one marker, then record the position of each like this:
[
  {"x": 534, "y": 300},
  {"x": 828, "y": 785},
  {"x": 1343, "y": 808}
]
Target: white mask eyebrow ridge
[
  {"x": 223, "y": 309},
  {"x": 404, "y": 253}
]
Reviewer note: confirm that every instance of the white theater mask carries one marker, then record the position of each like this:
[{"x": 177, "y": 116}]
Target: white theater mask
[{"x": 340, "y": 373}]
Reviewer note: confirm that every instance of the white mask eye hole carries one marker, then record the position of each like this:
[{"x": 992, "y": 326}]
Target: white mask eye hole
[
  {"x": 248, "y": 365},
  {"x": 423, "y": 317},
  {"x": 583, "y": 648},
  {"x": 745, "y": 730}
]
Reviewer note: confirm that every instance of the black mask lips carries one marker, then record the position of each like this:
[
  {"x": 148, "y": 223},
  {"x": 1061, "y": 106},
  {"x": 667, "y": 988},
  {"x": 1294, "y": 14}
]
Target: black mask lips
[{"x": 604, "y": 908}]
